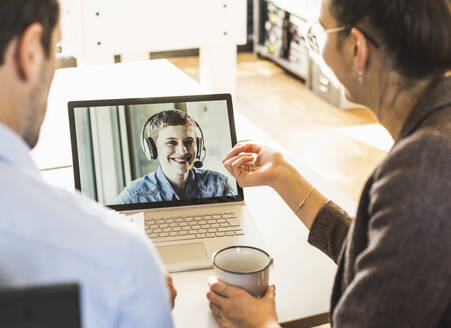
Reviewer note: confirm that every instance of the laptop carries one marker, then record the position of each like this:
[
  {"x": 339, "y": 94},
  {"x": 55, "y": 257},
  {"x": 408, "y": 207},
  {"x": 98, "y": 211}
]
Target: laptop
[
  {"x": 52, "y": 306},
  {"x": 163, "y": 157}
]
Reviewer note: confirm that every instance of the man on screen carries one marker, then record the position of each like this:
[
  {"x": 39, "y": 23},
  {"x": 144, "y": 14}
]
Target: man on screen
[{"x": 177, "y": 141}]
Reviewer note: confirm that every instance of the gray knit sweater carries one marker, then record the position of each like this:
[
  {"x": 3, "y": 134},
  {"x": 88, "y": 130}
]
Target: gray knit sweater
[{"x": 394, "y": 259}]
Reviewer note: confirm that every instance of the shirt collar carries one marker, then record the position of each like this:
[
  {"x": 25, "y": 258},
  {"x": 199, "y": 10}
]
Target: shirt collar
[
  {"x": 191, "y": 187},
  {"x": 167, "y": 188},
  {"x": 14, "y": 151},
  {"x": 438, "y": 96}
]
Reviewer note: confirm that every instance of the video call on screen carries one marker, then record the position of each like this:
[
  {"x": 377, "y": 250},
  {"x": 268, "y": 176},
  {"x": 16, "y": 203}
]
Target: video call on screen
[{"x": 148, "y": 153}]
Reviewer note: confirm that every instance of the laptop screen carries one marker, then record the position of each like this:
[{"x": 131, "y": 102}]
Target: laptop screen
[{"x": 154, "y": 152}]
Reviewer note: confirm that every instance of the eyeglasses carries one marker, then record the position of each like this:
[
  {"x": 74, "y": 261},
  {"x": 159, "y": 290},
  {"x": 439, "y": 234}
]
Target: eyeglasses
[{"x": 316, "y": 36}]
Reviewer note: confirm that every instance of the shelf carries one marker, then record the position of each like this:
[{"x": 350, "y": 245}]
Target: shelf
[
  {"x": 285, "y": 64},
  {"x": 317, "y": 75},
  {"x": 303, "y": 9}
]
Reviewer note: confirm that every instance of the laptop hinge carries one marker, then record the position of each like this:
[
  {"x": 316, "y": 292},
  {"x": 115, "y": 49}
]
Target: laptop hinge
[{"x": 239, "y": 203}]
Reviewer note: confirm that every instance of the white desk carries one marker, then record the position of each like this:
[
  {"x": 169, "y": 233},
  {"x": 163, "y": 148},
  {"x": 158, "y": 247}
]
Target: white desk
[
  {"x": 302, "y": 274},
  {"x": 142, "y": 79}
]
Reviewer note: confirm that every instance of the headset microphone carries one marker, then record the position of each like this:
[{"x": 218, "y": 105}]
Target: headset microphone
[{"x": 198, "y": 164}]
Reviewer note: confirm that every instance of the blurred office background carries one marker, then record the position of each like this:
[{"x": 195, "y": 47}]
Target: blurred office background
[{"x": 276, "y": 84}]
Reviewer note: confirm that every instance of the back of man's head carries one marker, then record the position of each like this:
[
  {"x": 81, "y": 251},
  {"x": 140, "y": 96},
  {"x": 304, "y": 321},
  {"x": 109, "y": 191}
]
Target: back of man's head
[
  {"x": 29, "y": 31},
  {"x": 17, "y": 15}
]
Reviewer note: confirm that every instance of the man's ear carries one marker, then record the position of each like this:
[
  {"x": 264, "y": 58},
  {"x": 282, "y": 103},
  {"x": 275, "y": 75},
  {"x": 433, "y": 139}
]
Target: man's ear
[
  {"x": 360, "y": 50},
  {"x": 30, "y": 52}
]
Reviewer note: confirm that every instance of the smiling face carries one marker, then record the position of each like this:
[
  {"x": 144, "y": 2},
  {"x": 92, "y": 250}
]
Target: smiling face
[{"x": 176, "y": 146}]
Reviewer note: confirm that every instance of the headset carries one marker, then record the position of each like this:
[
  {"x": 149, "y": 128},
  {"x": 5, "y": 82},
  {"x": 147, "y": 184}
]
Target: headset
[{"x": 149, "y": 147}]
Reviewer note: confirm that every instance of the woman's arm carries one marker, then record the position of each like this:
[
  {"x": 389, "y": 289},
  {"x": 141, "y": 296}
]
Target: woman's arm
[
  {"x": 327, "y": 222},
  {"x": 254, "y": 165},
  {"x": 296, "y": 191}
]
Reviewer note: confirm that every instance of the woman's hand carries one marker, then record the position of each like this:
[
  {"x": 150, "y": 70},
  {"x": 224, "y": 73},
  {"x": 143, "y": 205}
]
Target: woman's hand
[
  {"x": 234, "y": 307},
  {"x": 253, "y": 165},
  {"x": 171, "y": 289}
]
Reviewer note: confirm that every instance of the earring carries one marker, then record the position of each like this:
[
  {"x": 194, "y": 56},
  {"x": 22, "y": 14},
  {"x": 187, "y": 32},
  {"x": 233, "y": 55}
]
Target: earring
[{"x": 360, "y": 77}]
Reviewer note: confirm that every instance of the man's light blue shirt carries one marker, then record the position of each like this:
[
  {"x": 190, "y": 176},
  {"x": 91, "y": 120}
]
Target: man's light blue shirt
[
  {"x": 155, "y": 187},
  {"x": 49, "y": 236}
]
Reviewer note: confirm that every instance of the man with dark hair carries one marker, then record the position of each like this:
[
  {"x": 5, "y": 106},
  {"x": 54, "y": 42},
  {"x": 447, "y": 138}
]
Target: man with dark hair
[{"x": 50, "y": 236}]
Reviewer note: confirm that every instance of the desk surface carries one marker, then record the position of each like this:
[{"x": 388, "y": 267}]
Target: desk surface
[{"x": 302, "y": 274}]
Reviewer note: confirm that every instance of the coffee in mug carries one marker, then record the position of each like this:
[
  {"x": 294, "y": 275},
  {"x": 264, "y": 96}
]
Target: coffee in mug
[{"x": 243, "y": 266}]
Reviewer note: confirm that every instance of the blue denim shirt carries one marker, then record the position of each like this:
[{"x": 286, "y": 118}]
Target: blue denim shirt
[{"x": 155, "y": 187}]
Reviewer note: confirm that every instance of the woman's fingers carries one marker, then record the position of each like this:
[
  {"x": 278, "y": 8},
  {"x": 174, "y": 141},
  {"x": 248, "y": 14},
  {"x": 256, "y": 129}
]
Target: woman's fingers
[
  {"x": 224, "y": 289},
  {"x": 230, "y": 161},
  {"x": 242, "y": 148},
  {"x": 213, "y": 307},
  {"x": 241, "y": 159},
  {"x": 270, "y": 292},
  {"x": 238, "y": 167},
  {"x": 235, "y": 151},
  {"x": 216, "y": 299},
  {"x": 220, "y": 316},
  {"x": 219, "y": 287}
]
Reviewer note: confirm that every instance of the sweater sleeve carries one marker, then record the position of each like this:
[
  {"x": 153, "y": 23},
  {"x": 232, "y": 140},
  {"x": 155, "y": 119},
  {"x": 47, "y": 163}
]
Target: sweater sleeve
[{"x": 329, "y": 230}]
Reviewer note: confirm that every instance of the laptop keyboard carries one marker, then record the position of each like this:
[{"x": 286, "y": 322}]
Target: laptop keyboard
[{"x": 186, "y": 227}]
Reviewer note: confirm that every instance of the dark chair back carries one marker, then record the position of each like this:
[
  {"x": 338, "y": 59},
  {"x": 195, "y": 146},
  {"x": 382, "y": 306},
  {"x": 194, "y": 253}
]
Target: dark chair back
[{"x": 53, "y": 306}]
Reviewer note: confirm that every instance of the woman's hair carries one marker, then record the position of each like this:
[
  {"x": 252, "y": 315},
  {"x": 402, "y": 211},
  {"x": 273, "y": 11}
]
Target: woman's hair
[
  {"x": 415, "y": 34},
  {"x": 168, "y": 118}
]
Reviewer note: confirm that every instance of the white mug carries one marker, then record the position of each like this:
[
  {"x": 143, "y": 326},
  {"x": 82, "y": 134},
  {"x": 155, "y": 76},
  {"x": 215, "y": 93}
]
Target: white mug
[{"x": 243, "y": 266}]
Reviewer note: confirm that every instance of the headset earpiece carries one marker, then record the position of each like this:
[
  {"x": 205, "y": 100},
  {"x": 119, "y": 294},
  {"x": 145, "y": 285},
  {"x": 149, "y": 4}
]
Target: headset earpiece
[
  {"x": 151, "y": 151},
  {"x": 147, "y": 144},
  {"x": 198, "y": 163},
  {"x": 199, "y": 148}
]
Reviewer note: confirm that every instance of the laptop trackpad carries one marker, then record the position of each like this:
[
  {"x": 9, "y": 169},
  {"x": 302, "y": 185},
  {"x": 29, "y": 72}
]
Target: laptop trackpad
[{"x": 186, "y": 257}]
